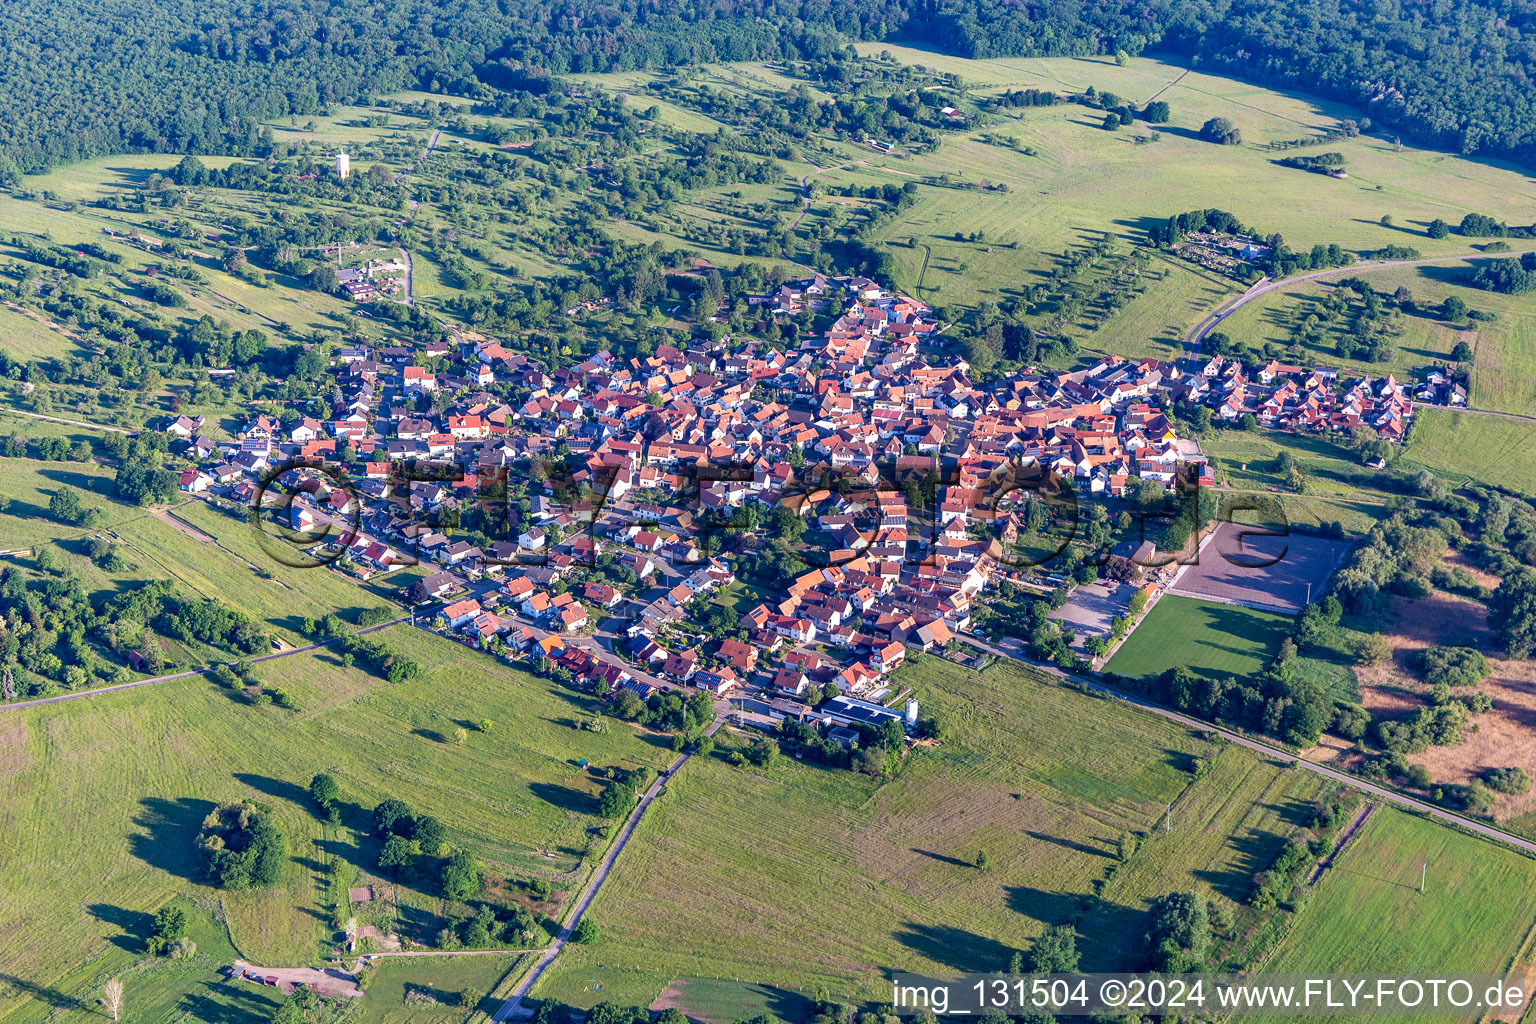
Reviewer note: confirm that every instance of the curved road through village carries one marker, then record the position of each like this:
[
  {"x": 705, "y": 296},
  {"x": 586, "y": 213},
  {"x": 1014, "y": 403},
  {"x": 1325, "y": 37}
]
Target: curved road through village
[
  {"x": 1265, "y": 285},
  {"x": 513, "y": 1006}
]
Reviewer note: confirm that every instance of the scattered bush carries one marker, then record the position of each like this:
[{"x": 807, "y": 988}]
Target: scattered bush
[{"x": 1507, "y": 780}]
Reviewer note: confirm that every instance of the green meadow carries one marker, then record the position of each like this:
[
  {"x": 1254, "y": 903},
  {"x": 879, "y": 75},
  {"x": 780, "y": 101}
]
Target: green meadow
[
  {"x": 1211, "y": 639},
  {"x": 799, "y": 877},
  {"x": 102, "y": 800},
  {"x": 1368, "y": 915},
  {"x": 1504, "y": 347},
  {"x": 1461, "y": 446}
]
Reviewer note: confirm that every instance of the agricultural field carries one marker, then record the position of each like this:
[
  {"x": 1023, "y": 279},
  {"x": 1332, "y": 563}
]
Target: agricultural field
[
  {"x": 1225, "y": 828},
  {"x": 1478, "y": 905},
  {"x": 1462, "y": 446},
  {"x": 1068, "y": 178},
  {"x": 1212, "y": 640},
  {"x": 413, "y": 990},
  {"x": 1043, "y": 778},
  {"x": 103, "y": 798}
]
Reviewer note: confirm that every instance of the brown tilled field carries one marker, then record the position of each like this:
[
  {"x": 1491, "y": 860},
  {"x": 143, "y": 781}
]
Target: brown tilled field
[{"x": 1504, "y": 736}]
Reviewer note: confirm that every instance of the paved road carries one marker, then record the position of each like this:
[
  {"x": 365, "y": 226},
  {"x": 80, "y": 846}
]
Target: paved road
[
  {"x": 1389, "y": 795},
  {"x": 602, "y": 644},
  {"x": 513, "y": 1007},
  {"x": 1265, "y": 285},
  {"x": 1477, "y": 412},
  {"x": 290, "y": 652}
]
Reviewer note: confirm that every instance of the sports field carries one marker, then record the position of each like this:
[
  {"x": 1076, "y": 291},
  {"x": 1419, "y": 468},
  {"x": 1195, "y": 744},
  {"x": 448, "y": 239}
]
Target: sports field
[
  {"x": 1211, "y": 639},
  {"x": 1261, "y": 566}
]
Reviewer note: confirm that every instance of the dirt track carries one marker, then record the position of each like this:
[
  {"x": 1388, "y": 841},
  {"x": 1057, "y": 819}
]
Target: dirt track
[{"x": 329, "y": 982}]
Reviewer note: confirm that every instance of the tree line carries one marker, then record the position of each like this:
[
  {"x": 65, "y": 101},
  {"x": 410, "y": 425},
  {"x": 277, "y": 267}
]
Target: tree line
[{"x": 204, "y": 75}]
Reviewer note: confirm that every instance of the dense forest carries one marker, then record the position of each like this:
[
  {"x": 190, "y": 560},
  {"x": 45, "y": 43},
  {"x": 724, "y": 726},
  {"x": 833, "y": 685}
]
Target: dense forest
[
  {"x": 84, "y": 79},
  {"x": 1456, "y": 74}
]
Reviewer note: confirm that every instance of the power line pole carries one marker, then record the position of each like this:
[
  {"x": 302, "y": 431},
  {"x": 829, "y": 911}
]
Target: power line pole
[
  {"x": 1168, "y": 819},
  {"x": 1423, "y": 876}
]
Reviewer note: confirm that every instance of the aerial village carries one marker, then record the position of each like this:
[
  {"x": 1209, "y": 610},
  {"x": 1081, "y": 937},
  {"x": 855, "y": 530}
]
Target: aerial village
[{"x": 617, "y": 560}]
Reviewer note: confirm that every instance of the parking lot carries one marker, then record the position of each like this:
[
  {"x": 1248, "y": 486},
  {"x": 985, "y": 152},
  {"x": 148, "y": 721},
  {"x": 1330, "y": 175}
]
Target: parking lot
[{"x": 1093, "y": 606}]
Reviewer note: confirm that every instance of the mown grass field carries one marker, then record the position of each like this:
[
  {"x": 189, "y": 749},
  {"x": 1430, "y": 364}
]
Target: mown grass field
[
  {"x": 102, "y": 798},
  {"x": 721, "y": 1002},
  {"x": 1082, "y": 179},
  {"x": 444, "y": 980},
  {"x": 1464, "y": 445},
  {"x": 1226, "y": 827},
  {"x": 803, "y": 877},
  {"x": 1155, "y": 323},
  {"x": 30, "y": 483},
  {"x": 1212, "y": 640},
  {"x": 154, "y": 988},
  {"x": 1337, "y": 486},
  {"x": 25, "y": 337},
  {"x": 1369, "y": 917}
]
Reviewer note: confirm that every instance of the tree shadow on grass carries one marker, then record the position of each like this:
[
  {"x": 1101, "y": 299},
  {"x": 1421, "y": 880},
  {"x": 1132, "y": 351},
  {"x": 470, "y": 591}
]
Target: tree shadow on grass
[
  {"x": 1255, "y": 852},
  {"x": 137, "y": 925},
  {"x": 237, "y": 1003},
  {"x": 1068, "y": 844},
  {"x": 1103, "y": 927},
  {"x": 169, "y": 837},
  {"x": 419, "y": 923},
  {"x": 955, "y": 948},
  {"x": 787, "y": 1005},
  {"x": 53, "y": 997},
  {"x": 945, "y": 858},
  {"x": 566, "y": 798},
  {"x": 364, "y": 859},
  {"x": 279, "y": 788}
]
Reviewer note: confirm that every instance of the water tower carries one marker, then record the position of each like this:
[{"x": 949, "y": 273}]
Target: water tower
[{"x": 343, "y": 166}]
